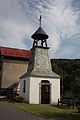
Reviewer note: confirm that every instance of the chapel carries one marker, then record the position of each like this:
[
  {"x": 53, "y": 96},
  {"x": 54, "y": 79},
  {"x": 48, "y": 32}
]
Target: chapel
[{"x": 40, "y": 85}]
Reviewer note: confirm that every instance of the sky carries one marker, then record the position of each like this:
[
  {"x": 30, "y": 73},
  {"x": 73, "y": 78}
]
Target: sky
[{"x": 19, "y": 19}]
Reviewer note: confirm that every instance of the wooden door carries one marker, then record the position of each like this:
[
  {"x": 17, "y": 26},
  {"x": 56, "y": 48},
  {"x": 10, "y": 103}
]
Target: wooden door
[{"x": 45, "y": 94}]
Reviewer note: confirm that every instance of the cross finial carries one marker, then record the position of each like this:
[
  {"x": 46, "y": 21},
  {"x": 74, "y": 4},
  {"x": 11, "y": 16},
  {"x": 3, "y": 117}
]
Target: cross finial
[{"x": 40, "y": 20}]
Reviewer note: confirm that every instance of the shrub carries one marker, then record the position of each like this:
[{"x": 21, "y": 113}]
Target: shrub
[
  {"x": 15, "y": 98},
  {"x": 78, "y": 108},
  {"x": 79, "y": 98},
  {"x": 19, "y": 99},
  {"x": 78, "y": 101},
  {"x": 11, "y": 96}
]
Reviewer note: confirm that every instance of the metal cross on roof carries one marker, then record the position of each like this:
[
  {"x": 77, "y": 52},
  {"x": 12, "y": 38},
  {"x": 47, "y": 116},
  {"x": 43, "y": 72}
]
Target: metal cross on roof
[{"x": 40, "y": 20}]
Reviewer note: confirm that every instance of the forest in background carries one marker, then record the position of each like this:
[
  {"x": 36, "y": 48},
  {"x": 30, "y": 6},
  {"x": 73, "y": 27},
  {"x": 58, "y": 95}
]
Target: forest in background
[{"x": 69, "y": 70}]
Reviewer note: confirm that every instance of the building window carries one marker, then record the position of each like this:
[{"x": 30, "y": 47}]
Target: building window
[
  {"x": 24, "y": 86},
  {"x": 45, "y": 81}
]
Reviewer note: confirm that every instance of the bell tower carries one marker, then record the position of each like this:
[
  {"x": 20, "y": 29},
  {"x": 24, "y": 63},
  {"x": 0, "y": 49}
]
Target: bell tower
[
  {"x": 39, "y": 64},
  {"x": 40, "y": 37}
]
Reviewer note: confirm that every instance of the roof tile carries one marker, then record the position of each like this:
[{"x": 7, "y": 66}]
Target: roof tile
[{"x": 13, "y": 52}]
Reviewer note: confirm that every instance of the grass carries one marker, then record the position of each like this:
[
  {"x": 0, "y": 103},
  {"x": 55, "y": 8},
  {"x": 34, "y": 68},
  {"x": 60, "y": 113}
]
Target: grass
[{"x": 49, "y": 112}]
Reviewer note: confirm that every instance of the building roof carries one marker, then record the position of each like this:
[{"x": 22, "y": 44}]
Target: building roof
[
  {"x": 13, "y": 52},
  {"x": 38, "y": 67},
  {"x": 40, "y": 34}
]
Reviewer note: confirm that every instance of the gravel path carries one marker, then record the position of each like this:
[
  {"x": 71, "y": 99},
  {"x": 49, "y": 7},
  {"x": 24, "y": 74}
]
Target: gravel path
[{"x": 9, "y": 111}]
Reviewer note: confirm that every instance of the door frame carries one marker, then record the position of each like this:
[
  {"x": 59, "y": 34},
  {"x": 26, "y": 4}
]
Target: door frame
[{"x": 40, "y": 84}]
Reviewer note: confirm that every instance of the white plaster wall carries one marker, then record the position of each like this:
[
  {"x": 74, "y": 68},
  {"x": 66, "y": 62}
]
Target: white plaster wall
[
  {"x": 35, "y": 91},
  {"x": 26, "y": 94},
  {"x": 55, "y": 90}
]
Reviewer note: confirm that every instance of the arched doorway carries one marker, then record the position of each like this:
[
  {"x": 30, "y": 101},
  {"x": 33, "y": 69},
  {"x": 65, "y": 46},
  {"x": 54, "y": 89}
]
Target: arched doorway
[{"x": 45, "y": 92}]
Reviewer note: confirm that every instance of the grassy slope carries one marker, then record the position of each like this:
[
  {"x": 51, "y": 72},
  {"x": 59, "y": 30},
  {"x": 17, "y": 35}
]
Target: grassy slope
[{"x": 49, "y": 112}]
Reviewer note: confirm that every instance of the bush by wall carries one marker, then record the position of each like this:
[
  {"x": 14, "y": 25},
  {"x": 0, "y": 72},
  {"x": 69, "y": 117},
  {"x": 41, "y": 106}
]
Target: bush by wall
[{"x": 16, "y": 98}]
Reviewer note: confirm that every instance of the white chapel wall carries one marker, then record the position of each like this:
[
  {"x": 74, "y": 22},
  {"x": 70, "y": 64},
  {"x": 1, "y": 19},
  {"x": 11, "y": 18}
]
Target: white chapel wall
[
  {"x": 26, "y": 94},
  {"x": 55, "y": 95},
  {"x": 35, "y": 90}
]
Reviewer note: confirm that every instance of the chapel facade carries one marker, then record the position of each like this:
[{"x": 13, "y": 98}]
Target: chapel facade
[{"x": 40, "y": 85}]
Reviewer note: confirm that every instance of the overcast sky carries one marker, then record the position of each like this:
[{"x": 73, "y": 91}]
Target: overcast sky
[{"x": 19, "y": 19}]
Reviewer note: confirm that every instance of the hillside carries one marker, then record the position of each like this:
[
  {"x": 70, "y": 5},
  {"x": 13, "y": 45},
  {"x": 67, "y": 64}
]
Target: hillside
[{"x": 69, "y": 70}]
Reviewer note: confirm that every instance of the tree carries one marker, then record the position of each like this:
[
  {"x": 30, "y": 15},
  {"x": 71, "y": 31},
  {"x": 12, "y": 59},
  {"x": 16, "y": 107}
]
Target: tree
[{"x": 69, "y": 70}]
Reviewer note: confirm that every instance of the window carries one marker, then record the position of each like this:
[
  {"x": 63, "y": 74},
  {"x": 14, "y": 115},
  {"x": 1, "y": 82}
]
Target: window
[
  {"x": 45, "y": 81},
  {"x": 24, "y": 86}
]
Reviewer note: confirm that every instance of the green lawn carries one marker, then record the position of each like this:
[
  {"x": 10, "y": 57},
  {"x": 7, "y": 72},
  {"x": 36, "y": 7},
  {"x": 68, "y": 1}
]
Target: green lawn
[{"x": 49, "y": 112}]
